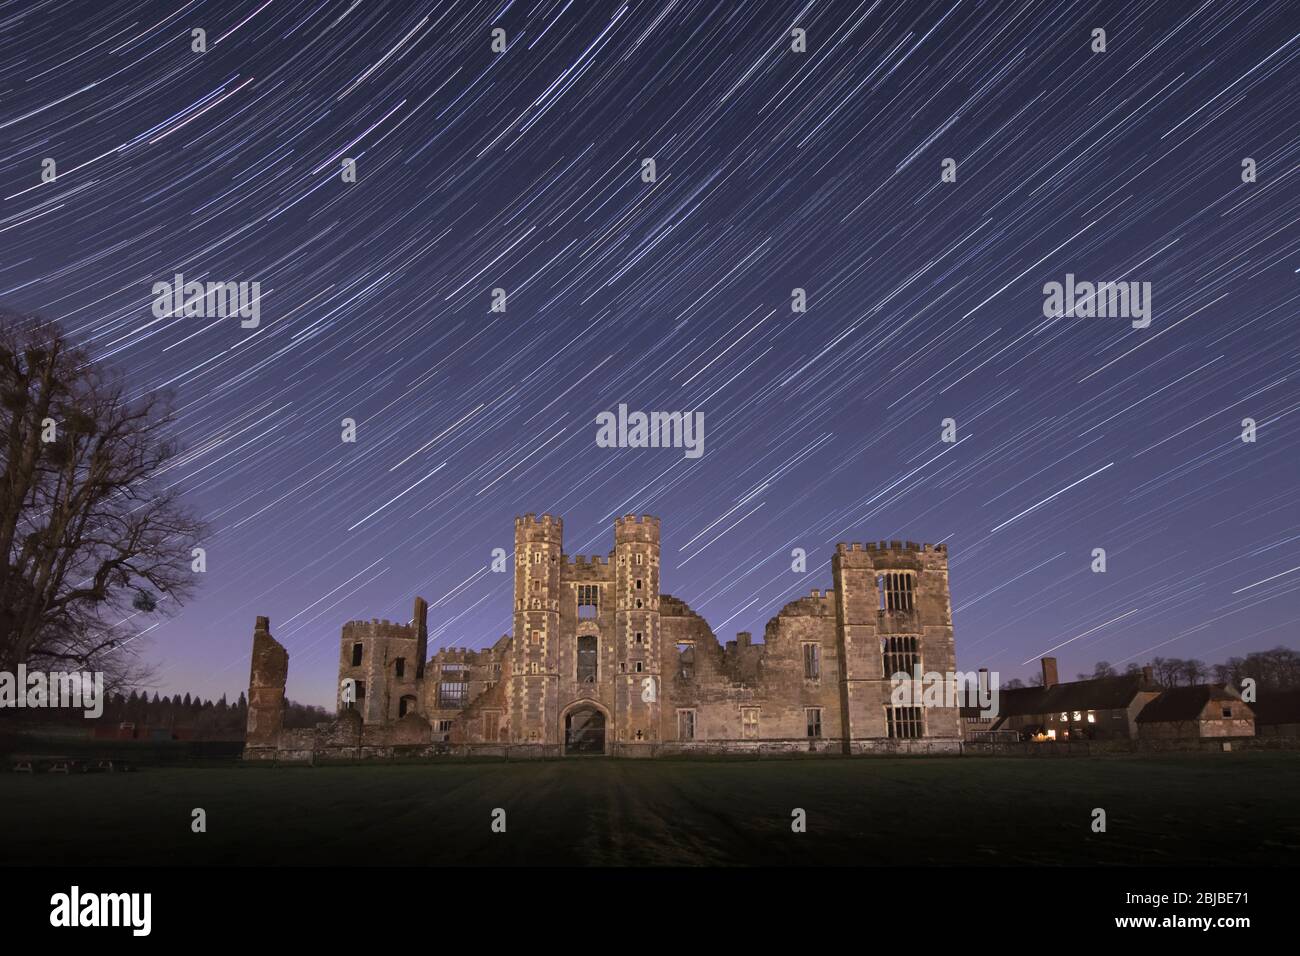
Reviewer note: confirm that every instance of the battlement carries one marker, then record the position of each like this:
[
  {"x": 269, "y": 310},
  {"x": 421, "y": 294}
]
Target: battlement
[
  {"x": 580, "y": 560},
  {"x": 547, "y": 521},
  {"x": 891, "y": 546},
  {"x": 630, "y": 528},
  {"x": 547, "y": 532}
]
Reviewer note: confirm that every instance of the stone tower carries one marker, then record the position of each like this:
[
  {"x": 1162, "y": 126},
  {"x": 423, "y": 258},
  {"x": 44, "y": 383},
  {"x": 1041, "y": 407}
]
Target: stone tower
[
  {"x": 637, "y": 624},
  {"x": 892, "y": 612},
  {"x": 534, "y": 670}
]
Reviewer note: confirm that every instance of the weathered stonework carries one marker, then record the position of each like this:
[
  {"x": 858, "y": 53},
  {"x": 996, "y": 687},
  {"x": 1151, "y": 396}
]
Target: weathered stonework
[{"x": 601, "y": 661}]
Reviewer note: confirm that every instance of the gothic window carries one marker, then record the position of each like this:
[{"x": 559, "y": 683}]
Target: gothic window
[
  {"x": 812, "y": 661},
  {"x": 902, "y": 654},
  {"x": 814, "y": 720},
  {"x": 904, "y": 722},
  {"x": 749, "y": 722},
  {"x": 897, "y": 590},
  {"x": 686, "y": 725},
  {"x": 587, "y": 659}
]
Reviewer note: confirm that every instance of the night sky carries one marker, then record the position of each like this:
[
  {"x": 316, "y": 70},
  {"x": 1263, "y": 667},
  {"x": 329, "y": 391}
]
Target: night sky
[{"x": 774, "y": 170}]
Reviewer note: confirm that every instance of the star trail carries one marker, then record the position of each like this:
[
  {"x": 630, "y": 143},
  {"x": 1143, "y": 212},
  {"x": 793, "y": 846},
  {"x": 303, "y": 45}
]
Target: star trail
[{"x": 774, "y": 170}]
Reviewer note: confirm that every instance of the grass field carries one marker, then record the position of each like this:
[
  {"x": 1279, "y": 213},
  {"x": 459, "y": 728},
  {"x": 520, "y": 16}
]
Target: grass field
[{"x": 1238, "y": 809}]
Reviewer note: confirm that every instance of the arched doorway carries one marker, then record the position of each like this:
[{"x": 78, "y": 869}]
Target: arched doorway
[{"x": 584, "y": 730}]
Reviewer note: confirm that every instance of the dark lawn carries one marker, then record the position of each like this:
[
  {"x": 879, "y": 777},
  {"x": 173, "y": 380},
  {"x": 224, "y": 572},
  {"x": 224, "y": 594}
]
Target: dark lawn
[{"x": 1238, "y": 808}]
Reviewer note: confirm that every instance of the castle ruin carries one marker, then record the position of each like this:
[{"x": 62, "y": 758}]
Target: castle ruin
[{"x": 600, "y": 661}]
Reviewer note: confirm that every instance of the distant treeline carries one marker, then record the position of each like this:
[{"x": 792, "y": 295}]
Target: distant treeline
[
  {"x": 204, "y": 718},
  {"x": 1278, "y": 669}
]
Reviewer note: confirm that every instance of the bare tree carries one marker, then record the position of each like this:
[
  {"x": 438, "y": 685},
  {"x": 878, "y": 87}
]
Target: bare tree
[{"x": 92, "y": 538}]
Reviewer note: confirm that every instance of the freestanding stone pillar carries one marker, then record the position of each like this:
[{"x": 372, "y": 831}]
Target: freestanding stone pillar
[{"x": 266, "y": 681}]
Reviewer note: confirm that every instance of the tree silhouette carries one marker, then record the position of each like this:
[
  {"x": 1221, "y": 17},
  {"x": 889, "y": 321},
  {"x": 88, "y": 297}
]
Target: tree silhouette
[{"x": 89, "y": 537}]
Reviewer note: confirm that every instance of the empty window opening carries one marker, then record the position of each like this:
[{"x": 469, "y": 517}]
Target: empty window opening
[
  {"x": 453, "y": 694},
  {"x": 588, "y": 600},
  {"x": 406, "y": 706},
  {"x": 904, "y": 722},
  {"x": 686, "y": 660},
  {"x": 357, "y": 651},
  {"x": 902, "y": 654},
  {"x": 587, "y": 659},
  {"x": 897, "y": 591},
  {"x": 399, "y": 666}
]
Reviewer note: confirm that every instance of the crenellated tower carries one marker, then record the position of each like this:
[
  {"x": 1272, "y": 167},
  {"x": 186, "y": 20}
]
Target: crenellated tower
[
  {"x": 534, "y": 665},
  {"x": 637, "y": 625},
  {"x": 892, "y": 614}
]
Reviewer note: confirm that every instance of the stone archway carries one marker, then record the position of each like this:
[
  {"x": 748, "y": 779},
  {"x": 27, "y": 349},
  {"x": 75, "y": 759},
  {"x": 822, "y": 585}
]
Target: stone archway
[{"x": 586, "y": 729}]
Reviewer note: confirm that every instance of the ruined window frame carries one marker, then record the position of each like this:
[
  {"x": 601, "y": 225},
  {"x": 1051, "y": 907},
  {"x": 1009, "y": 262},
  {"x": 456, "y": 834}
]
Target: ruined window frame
[
  {"x": 897, "y": 650},
  {"x": 689, "y": 716},
  {"x": 358, "y": 653},
  {"x": 896, "y": 590},
  {"x": 449, "y": 698}
]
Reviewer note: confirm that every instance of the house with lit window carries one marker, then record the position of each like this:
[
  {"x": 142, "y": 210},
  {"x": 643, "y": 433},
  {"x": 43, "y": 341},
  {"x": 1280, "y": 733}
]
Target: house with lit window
[{"x": 1103, "y": 708}]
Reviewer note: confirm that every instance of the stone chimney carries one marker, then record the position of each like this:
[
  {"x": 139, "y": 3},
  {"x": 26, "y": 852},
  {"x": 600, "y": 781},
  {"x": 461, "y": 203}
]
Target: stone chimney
[
  {"x": 270, "y": 669},
  {"x": 1049, "y": 672},
  {"x": 1148, "y": 675}
]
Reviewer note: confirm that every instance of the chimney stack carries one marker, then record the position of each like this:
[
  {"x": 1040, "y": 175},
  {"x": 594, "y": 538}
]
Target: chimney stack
[
  {"x": 1148, "y": 675},
  {"x": 1049, "y": 672}
]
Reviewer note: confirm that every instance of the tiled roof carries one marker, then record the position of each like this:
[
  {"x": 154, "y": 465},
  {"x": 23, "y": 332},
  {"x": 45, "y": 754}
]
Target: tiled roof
[
  {"x": 1184, "y": 703},
  {"x": 1277, "y": 706},
  {"x": 1101, "y": 693}
]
